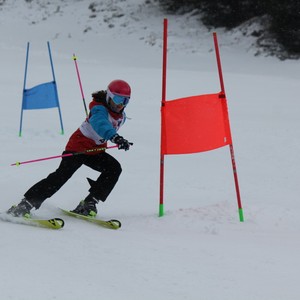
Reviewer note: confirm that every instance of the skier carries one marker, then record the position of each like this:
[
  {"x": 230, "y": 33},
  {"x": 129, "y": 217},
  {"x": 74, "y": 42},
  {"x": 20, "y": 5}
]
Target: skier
[{"x": 105, "y": 118}]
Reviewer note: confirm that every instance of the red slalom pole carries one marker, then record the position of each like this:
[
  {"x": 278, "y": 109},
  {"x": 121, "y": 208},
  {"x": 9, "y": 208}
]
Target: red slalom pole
[
  {"x": 237, "y": 189},
  {"x": 80, "y": 85},
  {"x": 162, "y": 134},
  {"x": 63, "y": 155}
]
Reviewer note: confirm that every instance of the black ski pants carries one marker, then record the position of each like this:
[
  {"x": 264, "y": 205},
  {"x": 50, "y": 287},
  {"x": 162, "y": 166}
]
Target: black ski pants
[{"x": 104, "y": 163}]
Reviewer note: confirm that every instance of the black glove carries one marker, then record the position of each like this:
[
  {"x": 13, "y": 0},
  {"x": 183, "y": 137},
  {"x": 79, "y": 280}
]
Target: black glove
[{"x": 121, "y": 142}]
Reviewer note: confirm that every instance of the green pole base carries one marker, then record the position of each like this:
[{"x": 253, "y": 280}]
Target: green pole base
[
  {"x": 161, "y": 210},
  {"x": 241, "y": 215}
]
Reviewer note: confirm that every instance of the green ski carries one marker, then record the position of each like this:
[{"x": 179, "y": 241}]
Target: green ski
[
  {"x": 55, "y": 223},
  {"x": 111, "y": 224}
]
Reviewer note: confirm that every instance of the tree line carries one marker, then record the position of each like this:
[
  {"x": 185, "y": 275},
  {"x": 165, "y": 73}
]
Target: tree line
[{"x": 283, "y": 16}]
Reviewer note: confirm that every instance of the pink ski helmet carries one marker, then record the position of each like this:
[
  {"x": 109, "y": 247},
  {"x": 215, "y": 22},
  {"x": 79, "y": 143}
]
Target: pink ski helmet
[{"x": 120, "y": 88}]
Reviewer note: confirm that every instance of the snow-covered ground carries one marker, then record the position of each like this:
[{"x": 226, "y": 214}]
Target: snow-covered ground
[{"x": 199, "y": 249}]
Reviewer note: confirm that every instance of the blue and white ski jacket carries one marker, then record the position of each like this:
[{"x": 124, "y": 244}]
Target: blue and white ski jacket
[{"x": 101, "y": 125}]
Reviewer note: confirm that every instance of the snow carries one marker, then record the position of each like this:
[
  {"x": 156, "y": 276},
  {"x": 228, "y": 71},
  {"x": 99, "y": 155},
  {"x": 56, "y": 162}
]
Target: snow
[{"x": 199, "y": 249}]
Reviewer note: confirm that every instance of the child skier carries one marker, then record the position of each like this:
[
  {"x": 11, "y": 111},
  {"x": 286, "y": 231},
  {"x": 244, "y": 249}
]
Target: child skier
[{"x": 105, "y": 118}]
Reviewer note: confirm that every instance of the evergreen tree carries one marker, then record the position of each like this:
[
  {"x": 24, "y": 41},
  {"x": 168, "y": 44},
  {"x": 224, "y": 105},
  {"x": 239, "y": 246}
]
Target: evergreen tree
[
  {"x": 230, "y": 13},
  {"x": 286, "y": 23}
]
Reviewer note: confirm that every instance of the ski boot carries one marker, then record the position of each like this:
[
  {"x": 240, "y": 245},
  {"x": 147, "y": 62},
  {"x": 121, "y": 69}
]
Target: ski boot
[
  {"x": 21, "y": 210},
  {"x": 87, "y": 207}
]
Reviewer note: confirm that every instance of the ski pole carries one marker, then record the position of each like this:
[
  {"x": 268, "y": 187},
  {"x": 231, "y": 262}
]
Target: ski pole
[
  {"x": 80, "y": 85},
  {"x": 18, "y": 163}
]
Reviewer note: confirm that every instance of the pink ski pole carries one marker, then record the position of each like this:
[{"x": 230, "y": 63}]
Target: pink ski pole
[
  {"x": 18, "y": 163},
  {"x": 80, "y": 85}
]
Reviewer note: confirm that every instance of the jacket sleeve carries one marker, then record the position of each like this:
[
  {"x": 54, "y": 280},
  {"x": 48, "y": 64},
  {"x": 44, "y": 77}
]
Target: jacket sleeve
[{"x": 100, "y": 122}]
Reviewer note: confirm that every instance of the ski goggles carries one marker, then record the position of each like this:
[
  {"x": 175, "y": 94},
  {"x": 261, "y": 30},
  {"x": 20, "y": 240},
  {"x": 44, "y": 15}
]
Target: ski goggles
[{"x": 118, "y": 99}]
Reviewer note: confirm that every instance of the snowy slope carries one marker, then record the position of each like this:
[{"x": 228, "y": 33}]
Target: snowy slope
[{"x": 199, "y": 249}]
